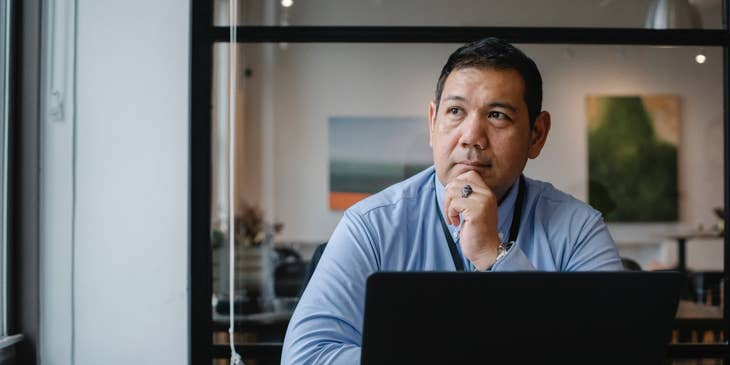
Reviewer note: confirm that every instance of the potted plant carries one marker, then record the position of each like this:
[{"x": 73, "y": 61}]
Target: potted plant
[{"x": 254, "y": 261}]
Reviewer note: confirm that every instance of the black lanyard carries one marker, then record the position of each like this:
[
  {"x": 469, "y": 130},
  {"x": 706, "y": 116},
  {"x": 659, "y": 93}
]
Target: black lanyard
[{"x": 513, "y": 229}]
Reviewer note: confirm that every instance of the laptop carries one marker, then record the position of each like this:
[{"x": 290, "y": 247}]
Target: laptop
[{"x": 519, "y": 318}]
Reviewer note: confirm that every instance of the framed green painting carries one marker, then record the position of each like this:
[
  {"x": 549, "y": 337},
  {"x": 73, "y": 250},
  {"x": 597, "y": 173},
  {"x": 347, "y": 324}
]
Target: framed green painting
[{"x": 632, "y": 156}]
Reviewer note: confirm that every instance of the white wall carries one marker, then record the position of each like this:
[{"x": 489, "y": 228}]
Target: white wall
[
  {"x": 57, "y": 189},
  {"x": 130, "y": 248},
  {"x": 312, "y": 82}
]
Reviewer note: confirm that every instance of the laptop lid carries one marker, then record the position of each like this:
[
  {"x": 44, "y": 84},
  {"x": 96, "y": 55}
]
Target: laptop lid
[{"x": 519, "y": 318}]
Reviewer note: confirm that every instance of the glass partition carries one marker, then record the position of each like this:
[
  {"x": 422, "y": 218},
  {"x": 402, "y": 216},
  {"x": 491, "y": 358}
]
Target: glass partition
[
  {"x": 308, "y": 113},
  {"x": 684, "y": 14}
]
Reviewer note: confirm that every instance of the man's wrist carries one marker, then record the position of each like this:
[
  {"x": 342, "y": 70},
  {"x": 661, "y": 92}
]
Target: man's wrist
[
  {"x": 489, "y": 261},
  {"x": 487, "y": 258}
]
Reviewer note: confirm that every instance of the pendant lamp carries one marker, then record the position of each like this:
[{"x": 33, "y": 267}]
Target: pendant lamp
[{"x": 672, "y": 14}]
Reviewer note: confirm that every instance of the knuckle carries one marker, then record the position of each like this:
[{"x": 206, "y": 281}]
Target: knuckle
[{"x": 471, "y": 174}]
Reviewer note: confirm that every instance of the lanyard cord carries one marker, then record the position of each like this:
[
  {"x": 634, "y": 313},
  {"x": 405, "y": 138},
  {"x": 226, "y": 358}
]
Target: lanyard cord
[
  {"x": 232, "y": 22},
  {"x": 513, "y": 229}
]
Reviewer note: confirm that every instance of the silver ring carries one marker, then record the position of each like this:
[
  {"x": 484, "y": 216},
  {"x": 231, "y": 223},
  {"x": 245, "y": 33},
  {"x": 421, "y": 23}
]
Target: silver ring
[{"x": 466, "y": 191}]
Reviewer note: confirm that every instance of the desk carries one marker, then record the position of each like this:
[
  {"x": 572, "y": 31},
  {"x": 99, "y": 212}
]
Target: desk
[
  {"x": 682, "y": 238},
  {"x": 698, "y": 323},
  {"x": 258, "y": 336}
]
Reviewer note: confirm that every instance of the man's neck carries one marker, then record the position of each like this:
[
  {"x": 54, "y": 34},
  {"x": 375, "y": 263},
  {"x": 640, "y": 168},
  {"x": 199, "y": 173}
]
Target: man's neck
[{"x": 504, "y": 195}]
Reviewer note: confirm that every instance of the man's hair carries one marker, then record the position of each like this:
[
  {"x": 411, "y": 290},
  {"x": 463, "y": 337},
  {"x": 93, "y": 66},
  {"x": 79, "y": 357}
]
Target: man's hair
[{"x": 495, "y": 53}]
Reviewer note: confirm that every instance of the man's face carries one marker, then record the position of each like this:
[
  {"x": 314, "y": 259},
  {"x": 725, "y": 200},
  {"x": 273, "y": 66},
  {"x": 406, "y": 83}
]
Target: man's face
[{"x": 482, "y": 124}]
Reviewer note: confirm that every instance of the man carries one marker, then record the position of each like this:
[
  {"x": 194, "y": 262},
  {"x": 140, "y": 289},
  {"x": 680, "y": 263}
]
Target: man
[{"x": 472, "y": 211}]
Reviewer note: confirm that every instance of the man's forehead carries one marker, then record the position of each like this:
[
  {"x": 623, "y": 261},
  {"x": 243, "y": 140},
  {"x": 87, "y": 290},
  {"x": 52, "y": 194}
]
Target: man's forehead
[
  {"x": 463, "y": 84},
  {"x": 506, "y": 76}
]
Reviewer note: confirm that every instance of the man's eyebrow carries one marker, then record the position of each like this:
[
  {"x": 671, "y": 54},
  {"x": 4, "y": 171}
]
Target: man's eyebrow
[
  {"x": 454, "y": 97},
  {"x": 502, "y": 105}
]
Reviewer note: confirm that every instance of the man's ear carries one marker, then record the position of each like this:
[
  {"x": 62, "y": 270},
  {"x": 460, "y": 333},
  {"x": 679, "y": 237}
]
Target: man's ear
[
  {"x": 431, "y": 121},
  {"x": 538, "y": 134}
]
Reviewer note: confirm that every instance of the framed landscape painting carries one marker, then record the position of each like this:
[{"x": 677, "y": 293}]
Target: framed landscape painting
[
  {"x": 632, "y": 156},
  {"x": 368, "y": 154}
]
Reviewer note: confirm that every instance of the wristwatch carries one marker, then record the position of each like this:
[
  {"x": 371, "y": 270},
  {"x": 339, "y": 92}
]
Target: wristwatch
[{"x": 503, "y": 249}]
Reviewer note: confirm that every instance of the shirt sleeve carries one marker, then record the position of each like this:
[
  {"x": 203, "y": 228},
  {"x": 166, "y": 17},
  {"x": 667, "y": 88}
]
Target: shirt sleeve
[
  {"x": 591, "y": 248},
  {"x": 326, "y": 327},
  {"x": 594, "y": 249},
  {"x": 514, "y": 260}
]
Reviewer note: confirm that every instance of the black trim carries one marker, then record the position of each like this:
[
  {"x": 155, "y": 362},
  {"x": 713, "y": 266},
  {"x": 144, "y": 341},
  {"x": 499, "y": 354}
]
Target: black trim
[
  {"x": 12, "y": 166},
  {"x": 546, "y": 35},
  {"x": 25, "y": 175},
  {"x": 201, "y": 276}
]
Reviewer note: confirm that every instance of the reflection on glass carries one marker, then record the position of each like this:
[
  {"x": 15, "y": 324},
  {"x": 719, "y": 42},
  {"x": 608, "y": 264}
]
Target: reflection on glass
[
  {"x": 659, "y": 14},
  {"x": 255, "y": 302},
  {"x": 293, "y": 96}
]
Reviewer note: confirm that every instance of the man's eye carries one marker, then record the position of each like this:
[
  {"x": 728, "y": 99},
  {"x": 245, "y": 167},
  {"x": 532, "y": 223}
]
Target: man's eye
[
  {"x": 497, "y": 115},
  {"x": 454, "y": 111}
]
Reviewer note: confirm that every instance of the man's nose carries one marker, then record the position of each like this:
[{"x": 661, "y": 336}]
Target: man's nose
[{"x": 474, "y": 133}]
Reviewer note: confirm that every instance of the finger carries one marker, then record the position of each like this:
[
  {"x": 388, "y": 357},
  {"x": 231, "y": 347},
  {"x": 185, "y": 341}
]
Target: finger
[
  {"x": 452, "y": 214},
  {"x": 456, "y": 186},
  {"x": 454, "y": 191},
  {"x": 457, "y": 207},
  {"x": 477, "y": 201},
  {"x": 467, "y": 178},
  {"x": 471, "y": 177}
]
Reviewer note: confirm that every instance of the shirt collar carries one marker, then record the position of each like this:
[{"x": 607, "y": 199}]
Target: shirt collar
[{"x": 504, "y": 210}]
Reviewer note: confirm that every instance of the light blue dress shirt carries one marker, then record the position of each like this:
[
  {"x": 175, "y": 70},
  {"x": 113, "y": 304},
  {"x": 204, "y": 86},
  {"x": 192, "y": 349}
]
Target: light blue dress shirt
[{"x": 398, "y": 229}]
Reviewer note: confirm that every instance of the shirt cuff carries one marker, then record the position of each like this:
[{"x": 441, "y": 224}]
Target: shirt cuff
[{"x": 513, "y": 260}]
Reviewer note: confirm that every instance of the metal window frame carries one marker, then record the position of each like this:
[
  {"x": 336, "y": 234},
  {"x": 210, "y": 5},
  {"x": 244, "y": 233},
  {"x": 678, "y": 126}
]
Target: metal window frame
[
  {"x": 5, "y": 156},
  {"x": 23, "y": 170},
  {"x": 204, "y": 35}
]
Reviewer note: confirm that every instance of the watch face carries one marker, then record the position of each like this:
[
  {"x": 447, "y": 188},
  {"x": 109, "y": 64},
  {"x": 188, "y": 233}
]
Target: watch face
[
  {"x": 500, "y": 252},
  {"x": 502, "y": 249}
]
